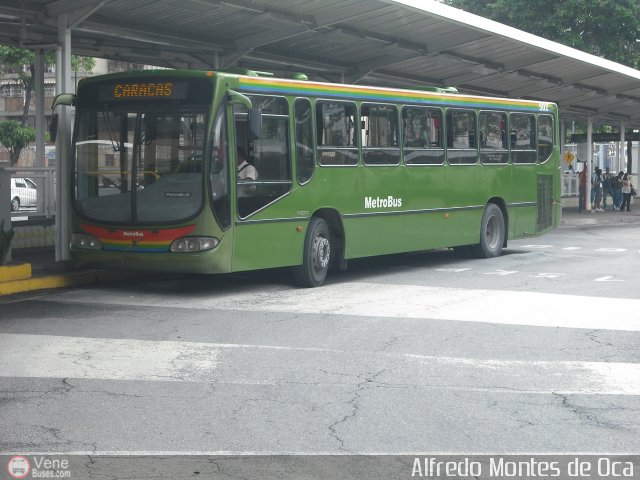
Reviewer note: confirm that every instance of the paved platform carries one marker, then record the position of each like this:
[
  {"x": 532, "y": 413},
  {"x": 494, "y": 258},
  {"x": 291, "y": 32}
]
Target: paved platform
[{"x": 46, "y": 273}]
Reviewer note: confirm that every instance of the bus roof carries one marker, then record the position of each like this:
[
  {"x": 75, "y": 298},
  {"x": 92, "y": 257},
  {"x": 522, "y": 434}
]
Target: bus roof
[{"x": 263, "y": 82}]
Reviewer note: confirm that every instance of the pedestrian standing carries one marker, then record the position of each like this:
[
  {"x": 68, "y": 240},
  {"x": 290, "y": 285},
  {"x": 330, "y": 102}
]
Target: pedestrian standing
[
  {"x": 606, "y": 187},
  {"x": 596, "y": 189},
  {"x": 616, "y": 186},
  {"x": 626, "y": 192},
  {"x": 582, "y": 190}
]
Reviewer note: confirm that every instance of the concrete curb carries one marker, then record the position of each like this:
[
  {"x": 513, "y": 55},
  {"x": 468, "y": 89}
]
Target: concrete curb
[
  {"x": 10, "y": 273},
  {"x": 63, "y": 280}
]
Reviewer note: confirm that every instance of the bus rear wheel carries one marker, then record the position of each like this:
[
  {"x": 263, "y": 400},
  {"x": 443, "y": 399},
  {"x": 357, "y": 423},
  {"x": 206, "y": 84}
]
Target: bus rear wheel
[
  {"x": 316, "y": 255},
  {"x": 492, "y": 233}
]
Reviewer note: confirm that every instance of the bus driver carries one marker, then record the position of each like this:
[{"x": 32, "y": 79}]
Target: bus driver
[{"x": 246, "y": 173}]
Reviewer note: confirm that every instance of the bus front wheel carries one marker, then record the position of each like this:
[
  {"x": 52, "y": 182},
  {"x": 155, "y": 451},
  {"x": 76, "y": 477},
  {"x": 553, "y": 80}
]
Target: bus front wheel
[
  {"x": 492, "y": 233},
  {"x": 316, "y": 255}
]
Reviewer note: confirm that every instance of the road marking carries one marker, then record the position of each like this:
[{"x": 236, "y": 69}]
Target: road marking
[
  {"x": 537, "y": 246},
  {"x": 106, "y": 358},
  {"x": 393, "y": 301},
  {"x": 611, "y": 249},
  {"x": 547, "y": 275},
  {"x": 608, "y": 278},
  {"x": 50, "y": 356},
  {"x": 501, "y": 272},
  {"x": 572, "y": 248},
  {"x": 452, "y": 270}
]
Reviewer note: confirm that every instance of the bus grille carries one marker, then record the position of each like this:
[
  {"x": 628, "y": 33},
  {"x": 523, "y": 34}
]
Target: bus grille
[{"x": 545, "y": 202}]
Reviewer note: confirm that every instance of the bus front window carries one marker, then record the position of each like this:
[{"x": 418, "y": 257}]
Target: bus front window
[{"x": 139, "y": 165}]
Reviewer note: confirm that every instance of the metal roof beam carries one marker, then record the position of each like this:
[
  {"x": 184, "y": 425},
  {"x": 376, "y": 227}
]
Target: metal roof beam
[
  {"x": 365, "y": 68},
  {"x": 146, "y": 34},
  {"x": 60, "y": 7},
  {"x": 21, "y": 10}
]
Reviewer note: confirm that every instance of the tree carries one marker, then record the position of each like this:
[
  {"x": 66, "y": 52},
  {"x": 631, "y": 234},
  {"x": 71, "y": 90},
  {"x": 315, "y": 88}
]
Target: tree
[
  {"x": 606, "y": 28},
  {"x": 15, "y": 137},
  {"x": 22, "y": 62}
]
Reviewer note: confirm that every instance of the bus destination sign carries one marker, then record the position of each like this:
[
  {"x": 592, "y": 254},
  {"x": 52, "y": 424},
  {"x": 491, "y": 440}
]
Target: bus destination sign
[{"x": 143, "y": 90}]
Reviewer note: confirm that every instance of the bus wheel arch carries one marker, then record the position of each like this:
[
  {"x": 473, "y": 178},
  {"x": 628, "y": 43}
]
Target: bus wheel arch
[
  {"x": 316, "y": 254},
  {"x": 323, "y": 247},
  {"x": 333, "y": 219},
  {"x": 505, "y": 215},
  {"x": 493, "y": 230}
]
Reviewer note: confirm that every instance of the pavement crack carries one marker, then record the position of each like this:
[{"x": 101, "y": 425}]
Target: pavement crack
[
  {"x": 584, "y": 414},
  {"x": 388, "y": 344},
  {"x": 366, "y": 380}
]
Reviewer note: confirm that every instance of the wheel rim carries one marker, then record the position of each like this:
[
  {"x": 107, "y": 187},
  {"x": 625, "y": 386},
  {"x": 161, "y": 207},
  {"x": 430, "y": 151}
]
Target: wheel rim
[
  {"x": 321, "y": 253},
  {"x": 15, "y": 205},
  {"x": 492, "y": 232}
]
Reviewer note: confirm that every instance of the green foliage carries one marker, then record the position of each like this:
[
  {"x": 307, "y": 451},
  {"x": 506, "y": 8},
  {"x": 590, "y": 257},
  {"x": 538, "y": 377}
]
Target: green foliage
[
  {"x": 14, "y": 59},
  {"x": 15, "y": 137},
  {"x": 6, "y": 236},
  {"x": 607, "y": 28},
  {"x": 22, "y": 62},
  {"x": 82, "y": 64}
]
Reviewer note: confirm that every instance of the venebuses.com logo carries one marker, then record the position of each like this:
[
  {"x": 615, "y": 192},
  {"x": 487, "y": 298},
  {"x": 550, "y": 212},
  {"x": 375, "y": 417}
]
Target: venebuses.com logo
[
  {"x": 42, "y": 466},
  {"x": 18, "y": 467}
]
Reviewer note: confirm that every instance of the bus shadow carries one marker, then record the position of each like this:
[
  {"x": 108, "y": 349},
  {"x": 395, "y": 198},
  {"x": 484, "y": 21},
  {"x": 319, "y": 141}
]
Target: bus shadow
[{"x": 277, "y": 279}]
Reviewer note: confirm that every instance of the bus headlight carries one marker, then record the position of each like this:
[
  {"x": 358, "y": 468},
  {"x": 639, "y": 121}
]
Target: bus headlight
[
  {"x": 193, "y": 244},
  {"x": 83, "y": 240}
]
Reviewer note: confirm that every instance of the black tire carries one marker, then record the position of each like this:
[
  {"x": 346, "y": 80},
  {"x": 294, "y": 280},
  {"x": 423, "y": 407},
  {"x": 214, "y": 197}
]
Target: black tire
[
  {"x": 316, "y": 256},
  {"x": 492, "y": 233},
  {"x": 15, "y": 204}
]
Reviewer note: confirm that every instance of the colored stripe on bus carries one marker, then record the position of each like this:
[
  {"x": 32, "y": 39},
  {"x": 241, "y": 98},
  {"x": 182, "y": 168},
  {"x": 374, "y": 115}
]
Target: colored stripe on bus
[
  {"x": 137, "y": 240},
  {"x": 292, "y": 87}
]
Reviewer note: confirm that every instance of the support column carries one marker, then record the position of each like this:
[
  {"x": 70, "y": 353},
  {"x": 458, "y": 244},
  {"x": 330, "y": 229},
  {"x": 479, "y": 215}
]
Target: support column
[
  {"x": 63, "y": 143},
  {"x": 40, "y": 124},
  {"x": 588, "y": 164},
  {"x": 563, "y": 135},
  {"x": 622, "y": 149},
  {"x": 39, "y": 98}
]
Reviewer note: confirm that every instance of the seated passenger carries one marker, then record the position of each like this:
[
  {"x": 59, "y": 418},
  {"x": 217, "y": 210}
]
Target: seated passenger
[{"x": 417, "y": 141}]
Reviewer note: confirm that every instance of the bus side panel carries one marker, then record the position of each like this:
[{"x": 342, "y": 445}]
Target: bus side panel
[
  {"x": 525, "y": 177},
  {"x": 426, "y": 195},
  {"x": 465, "y": 196},
  {"x": 398, "y": 211},
  {"x": 266, "y": 245}
]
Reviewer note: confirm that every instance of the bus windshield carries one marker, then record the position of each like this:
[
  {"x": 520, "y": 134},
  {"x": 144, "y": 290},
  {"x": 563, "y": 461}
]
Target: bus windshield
[{"x": 139, "y": 165}]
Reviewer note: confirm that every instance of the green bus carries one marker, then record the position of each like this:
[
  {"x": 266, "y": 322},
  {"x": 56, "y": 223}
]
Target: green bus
[{"x": 337, "y": 172}]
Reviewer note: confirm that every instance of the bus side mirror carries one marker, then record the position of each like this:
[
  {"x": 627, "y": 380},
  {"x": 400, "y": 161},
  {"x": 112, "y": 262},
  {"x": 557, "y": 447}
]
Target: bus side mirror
[
  {"x": 255, "y": 123},
  {"x": 254, "y": 116},
  {"x": 67, "y": 99}
]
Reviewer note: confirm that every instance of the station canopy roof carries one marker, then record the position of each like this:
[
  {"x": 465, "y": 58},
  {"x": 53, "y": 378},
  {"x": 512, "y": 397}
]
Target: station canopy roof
[{"x": 378, "y": 42}]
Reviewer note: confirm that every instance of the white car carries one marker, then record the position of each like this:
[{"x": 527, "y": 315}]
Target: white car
[{"x": 24, "y": 193}]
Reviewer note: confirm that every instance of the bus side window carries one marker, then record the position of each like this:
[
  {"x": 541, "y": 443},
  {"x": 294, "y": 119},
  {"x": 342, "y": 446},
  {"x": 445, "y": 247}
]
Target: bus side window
[
  {"x": 493, "y": 138},
  {"x": 545, "y": 137},
  {"x": 461, "y": 137},
  {"x": 304, "y": 140},
  {"x": 269, "y": 154},
  {"x": 523, "y": 138},
  {"x": 336, "y": 138},
  {"x": 422, "y": 136},
  {"x": 379, "y": 134}
]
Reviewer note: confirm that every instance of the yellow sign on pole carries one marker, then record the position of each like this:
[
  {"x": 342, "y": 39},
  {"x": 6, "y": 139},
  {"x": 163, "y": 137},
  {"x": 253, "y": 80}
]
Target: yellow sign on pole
[{"x": 569, "y": 157}]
